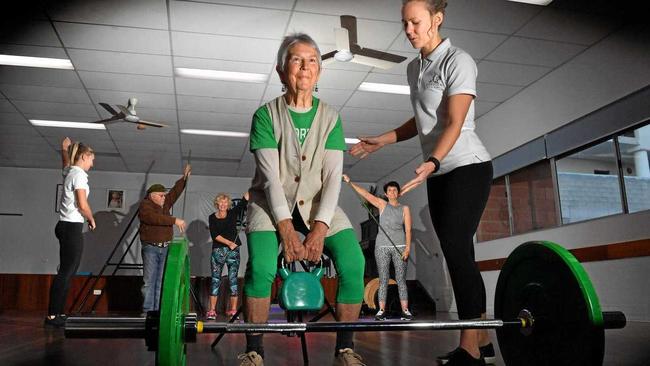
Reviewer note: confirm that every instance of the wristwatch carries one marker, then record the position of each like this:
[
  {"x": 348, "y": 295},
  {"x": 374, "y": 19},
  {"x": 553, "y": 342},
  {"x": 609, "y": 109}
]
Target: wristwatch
[{"x": 435, "y": 162}]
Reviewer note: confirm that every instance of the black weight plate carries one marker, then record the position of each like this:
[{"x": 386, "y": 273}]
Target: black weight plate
[{"x": 547, "y": 280}]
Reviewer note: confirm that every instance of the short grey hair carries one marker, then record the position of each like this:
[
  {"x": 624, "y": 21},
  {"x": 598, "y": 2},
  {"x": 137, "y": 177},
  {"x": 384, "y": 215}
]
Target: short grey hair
[{"x": 291, "y": 40}]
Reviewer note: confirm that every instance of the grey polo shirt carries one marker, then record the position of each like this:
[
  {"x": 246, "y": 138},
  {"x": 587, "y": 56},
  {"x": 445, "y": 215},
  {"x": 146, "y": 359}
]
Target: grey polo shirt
[{"x": 447, "y": 71}]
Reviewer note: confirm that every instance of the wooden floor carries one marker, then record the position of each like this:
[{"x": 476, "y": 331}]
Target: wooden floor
[{"x": 25, "y": 342}]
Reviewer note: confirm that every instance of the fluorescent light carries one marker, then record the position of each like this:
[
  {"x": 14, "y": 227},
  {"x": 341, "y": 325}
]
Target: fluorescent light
[
  {"x": 534, "y": 2},
  {"x": 50, "y": 63},
  {"x": 214, "y": 133},
  {"x": 385, "y": 88},
  {"x": 351, "y": 140},
  {"x": 87, "y": 125},
  {"x": 247, "y": 77}
]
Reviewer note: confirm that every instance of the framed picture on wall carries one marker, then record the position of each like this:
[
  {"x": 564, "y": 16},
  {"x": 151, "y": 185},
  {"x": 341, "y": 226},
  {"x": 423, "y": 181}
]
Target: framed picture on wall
[
  {"x": 58, "y": 197},
  {"x": 115, "y": 199}
]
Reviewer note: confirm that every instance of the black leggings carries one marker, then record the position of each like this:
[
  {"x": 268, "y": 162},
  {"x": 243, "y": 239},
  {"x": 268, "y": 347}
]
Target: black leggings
[
  {"x": 70, "y": 247},
  {"x": 456, "y": 203}
]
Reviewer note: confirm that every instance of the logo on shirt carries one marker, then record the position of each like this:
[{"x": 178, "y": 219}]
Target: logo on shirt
[
  {"x": 435, "y": 83},
  {"x": 301, "y": 133}
]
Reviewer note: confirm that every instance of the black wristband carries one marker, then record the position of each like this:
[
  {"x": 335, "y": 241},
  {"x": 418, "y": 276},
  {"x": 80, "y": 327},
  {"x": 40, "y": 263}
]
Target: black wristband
[{"x": 435, "y": 162}]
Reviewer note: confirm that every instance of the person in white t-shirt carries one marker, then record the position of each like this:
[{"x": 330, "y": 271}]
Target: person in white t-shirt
[
  {"x": 74, "y": 210},
  {"x": 457, "y": 168}
]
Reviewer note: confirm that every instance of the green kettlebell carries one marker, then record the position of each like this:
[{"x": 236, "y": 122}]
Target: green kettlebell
[{"x": 301, "y": 290}]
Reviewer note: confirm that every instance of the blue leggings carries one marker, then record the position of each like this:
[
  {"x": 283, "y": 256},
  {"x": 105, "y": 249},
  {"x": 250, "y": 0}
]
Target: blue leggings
[{"x": 221, "y": 256}]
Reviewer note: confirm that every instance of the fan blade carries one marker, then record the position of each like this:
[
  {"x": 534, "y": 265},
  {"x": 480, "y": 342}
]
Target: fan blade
[
  {"x": 110, "y": 120},
  {"x": 109, "y": 108},
  {"x": 328, "y": 56},
  {"x": 152, "y": 124},
  {"x": 349, "y": 22},
  {"x": 374, "y": 58},
  {"x": 342, "y": 39},
  {"x": 124, "y": 110}
]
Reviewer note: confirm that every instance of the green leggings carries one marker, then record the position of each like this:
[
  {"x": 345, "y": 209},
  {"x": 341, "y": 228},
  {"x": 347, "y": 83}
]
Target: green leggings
[{"x": 342, "y": 247}]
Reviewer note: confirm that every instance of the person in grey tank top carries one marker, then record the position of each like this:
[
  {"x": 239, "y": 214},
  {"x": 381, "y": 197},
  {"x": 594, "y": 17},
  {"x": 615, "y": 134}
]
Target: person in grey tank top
[{"x": 395, "y": 219}]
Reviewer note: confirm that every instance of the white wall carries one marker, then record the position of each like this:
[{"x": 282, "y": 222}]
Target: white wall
[{"x": 28, "y": 244}]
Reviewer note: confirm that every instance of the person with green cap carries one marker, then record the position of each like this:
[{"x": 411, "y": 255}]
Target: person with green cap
[{"x": 156, "y": 232}]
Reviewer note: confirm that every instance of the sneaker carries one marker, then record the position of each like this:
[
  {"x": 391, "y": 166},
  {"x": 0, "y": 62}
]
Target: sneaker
[
  {"x": 487, "y": 352},
  {"x": 347, "y": 357},
  {"x": 251, "y": 358},
  {"x": 460, "y": 357},
  {"x": 381, "y": 315},
  {"x": 211, "y": 315},
  {"x": 231, "y": 313},
  {"x": 57, "y": 322},
  {"x": 406, "y": 315}
]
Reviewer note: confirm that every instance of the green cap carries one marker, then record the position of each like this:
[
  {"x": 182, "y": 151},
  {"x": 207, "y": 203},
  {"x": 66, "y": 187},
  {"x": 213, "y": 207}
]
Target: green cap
[{"x": 156, "y": 188}]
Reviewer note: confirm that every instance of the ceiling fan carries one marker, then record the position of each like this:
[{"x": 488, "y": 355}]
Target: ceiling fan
[
  {"x": 127, "y": 114},
  {"x": 347, "y": 49}
]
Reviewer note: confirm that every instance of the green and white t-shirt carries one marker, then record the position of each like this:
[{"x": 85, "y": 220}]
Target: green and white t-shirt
[{"x": 263, "y": 137}]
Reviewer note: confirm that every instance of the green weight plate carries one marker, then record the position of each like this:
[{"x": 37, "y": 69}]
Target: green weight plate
[
  {"x": 174, "y": 305},
  {"x": 548, "y": 280}
]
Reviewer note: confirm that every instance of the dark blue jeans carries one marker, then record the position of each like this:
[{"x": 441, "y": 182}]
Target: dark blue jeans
[{"x": 153, "y": 261}]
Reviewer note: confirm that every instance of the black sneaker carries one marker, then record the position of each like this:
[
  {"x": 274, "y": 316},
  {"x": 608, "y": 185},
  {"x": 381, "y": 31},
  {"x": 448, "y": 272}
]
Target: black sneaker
[
  {"x": 381, "y": 315},
  {"x": 460, "y": 357},
  {"x": 57, "y": 322},
  {"x": 487, "y": 352},
  {"x": 406, "y": 315}
]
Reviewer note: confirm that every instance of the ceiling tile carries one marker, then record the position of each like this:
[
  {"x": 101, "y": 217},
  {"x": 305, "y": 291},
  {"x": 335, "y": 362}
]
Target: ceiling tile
[
  {"x": 271, "y": 4},
  {"x": 40, "y": 33},
  {"x": 141, "y": 13},
  {"x": 44, "y": 93},
  {"x": 212, "y": 64},
  {"x": 491, "y": 16},
  {"x": 370, "y": 33},
  {"x": 120, "y": 39},
  {"x": 228, "y": 20},
  {"x": 510, "y": 74},
  {"x": 215, "y": 121},
  {"x": 33, "y": 51},
  {"x": 371, "y": 9},
  {"x": 379, "y": 116},
  {"x": 11, "y": 132},
  {"x": 534, "y": 52},
  {"x": 224, "y": 47},
  {"x": 36, "y": 76},
  {"x": 488, "y": 92},
  {"x": 383, "y": 78},
  {"x": 211, "y": 104},
  {"x": 127, "y": 82},
  {"x": 568, "y": 26},
  {"x": 56, "y": 109},
  {"x": 481, "y": 107},
  {"x": 125, "y": 63},
  {"x": 380, "y": 101},
  {"x": 5, "y": 106},
  {"x": 221, "y": 89}
]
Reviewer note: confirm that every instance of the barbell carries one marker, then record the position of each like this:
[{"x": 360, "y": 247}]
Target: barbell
[{"x": 546, "y": 307}]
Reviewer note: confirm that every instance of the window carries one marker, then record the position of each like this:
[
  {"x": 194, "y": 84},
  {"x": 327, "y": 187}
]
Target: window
[
  {"x": 634, "y": 147},
  {"x": 495, "y": 220},
  {"x": 533, "y": 198},
  {"x": 586, "y": 192}
]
